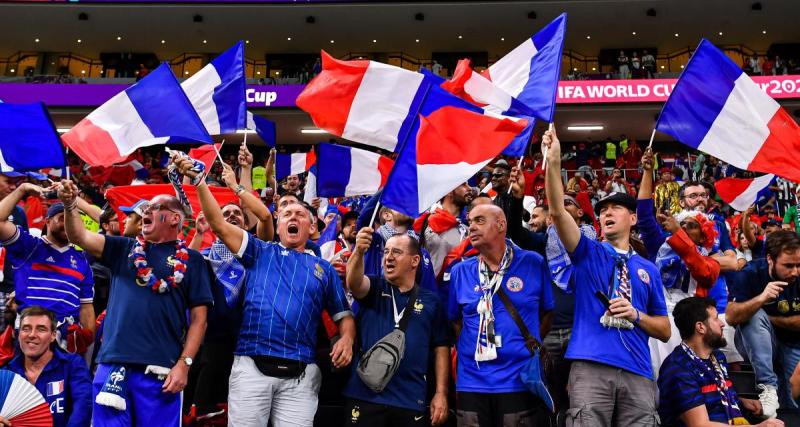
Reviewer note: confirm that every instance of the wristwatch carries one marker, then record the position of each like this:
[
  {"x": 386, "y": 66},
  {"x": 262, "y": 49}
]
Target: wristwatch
[
  {"x": 187, "y": 360},
  {"x": 239, "y": 189}
]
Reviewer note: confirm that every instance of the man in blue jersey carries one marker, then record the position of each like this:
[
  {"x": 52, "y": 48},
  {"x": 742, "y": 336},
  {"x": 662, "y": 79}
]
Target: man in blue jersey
[
  {"x": 50, "y": 272},
  {"x": 156, "y": 317},
  {"x": 491, "y": 347},
  {"x": 694, "y": 387},
  {"x": 611, "y": 380},
  {"x": 382, "y": 304},
  {"x": 274, "y": 375},
  {"x": 62, "y": 378}
]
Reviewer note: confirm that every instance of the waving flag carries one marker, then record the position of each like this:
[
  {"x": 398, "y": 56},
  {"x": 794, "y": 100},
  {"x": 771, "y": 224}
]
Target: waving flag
[
  {"x": 310, "y": 192},
  {"x": 293, "y": 164},
  {"x": 217, "y": 92},
  {"x": 28, "y": 139},
  {"x": 718, "y": 109},
  {"x": 206, "y": 154},
  {"x": 327, "y": 240},
  {"x": 528, "y": 73},
  {"x": 147, "y": 113},
  {"x": 265, "y": 129},
  {"x": 743, "y": 193},
  {"x": 345, "y": 171},
  {"x": 450, "y": 143}
]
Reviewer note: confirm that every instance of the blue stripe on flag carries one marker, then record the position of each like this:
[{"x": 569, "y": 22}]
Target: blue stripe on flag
[
  {"x": 229, "y": 95},
  {"x": 283, "y": 166},
  {"x": 334, "y": 166},
  {"x": 540, "y": 90},
  {"x": 160, "y": 92},
  {"x": 699, "y": 96},
  {"x": 519, "y": 145},
  {"x": 28, "y": 138}
]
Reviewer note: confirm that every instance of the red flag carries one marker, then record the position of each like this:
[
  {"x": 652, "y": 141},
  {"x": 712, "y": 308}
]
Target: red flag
[{"x": 205, "y": 154}]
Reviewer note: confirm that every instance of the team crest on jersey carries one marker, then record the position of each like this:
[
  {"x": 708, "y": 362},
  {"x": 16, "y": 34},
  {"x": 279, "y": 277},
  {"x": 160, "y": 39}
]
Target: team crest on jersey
[
  {"x": 514, "y": 284},
  {"x": 318, "y": 271},
  {"x": 795, "y": 305},
  {"x": 477, "y": 288},
  {"x": 73, "y": 262},
  {"x": 171, "y": 260},
  {"x": 783, "y": 306},
  {"x": 354, "y": 414},
  {"x": 418, "y": 307},
  {"x": 644, "y": 276}
]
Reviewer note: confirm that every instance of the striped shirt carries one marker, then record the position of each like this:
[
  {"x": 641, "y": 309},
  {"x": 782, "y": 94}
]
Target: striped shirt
[
  {"x": 58, "y": 279},
  {"x": 285, "y": 292}
]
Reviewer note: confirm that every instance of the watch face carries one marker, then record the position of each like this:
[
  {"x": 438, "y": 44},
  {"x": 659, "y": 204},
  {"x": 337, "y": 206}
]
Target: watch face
[{"x": 188, "y": 361}]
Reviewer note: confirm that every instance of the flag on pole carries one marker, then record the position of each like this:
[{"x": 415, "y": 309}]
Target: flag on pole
[
  {"x": 28, "y": 139},
  {"x": 346, "y": 171},
  {"x": 310, "y": 192},
  {"x": 742, "y": 193},
  {"x": 530, "y": 72},
  {"x": 327, "y": 240},
  {"x": 205, "y": 154},
  {"x": 147, "y": 113},
  {"x": 265, "y": 129},
  {"x": 718, "y": 109},
  {"x": 217, "y": 92},
  {"x": 293, "y": 164}
]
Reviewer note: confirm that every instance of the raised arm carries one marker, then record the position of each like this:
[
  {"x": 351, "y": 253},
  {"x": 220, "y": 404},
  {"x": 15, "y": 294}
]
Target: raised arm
[
  {"x": 567, "y": 228},
  {"x": 231, "y": 235},
  {"x": 89, "y": 209},
  {"x": 271, "y": 181},
  {"x": 356, "y": 281},
  {"x": 646, "y": 186},
  {"x": 250, "y": 203},
  {"x": 7, "y": 204},
  {"x": 93, "y": 243},
  {"x": 746, "y": 229}
]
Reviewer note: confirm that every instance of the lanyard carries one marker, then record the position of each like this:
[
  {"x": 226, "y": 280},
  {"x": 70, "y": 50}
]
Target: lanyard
[{"x": 397, "y": 316}]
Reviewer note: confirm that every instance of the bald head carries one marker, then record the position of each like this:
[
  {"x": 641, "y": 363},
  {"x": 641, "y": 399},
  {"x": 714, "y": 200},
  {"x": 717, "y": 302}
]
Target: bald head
[{"x": 487, "y": 226}]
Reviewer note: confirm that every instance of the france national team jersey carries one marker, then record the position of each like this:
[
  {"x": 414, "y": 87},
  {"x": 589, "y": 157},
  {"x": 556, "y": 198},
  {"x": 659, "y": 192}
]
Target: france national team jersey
[
  {"x": 58, "y": 279},
  {"x": 527, "y": 284},
  {"x": 624, "y": 349},
  {"x": 285, "y": 293}
]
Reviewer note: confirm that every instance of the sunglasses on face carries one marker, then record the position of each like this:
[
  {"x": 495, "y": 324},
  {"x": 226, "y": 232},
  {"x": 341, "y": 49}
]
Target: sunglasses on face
[{"x": 157, "y": 207}]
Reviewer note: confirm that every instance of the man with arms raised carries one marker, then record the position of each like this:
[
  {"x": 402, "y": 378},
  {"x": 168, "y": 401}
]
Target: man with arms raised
[
  {"x": 274, "y": 375},
  {"x": 149, "y": 341},
  {"x": 611, "y": 376}
]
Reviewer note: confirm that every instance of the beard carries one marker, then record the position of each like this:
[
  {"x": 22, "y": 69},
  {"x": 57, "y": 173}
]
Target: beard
[{"x": 715, "y": 341}]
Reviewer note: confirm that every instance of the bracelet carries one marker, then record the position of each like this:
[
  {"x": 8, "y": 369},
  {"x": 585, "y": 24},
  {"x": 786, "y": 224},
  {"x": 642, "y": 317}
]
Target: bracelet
[
  {"x": 239, "y": 190},
  {"x": 638, "y": 316}
]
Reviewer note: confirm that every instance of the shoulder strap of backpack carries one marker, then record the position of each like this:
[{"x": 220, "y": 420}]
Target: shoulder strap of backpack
[{"x": 531, "y": 342}]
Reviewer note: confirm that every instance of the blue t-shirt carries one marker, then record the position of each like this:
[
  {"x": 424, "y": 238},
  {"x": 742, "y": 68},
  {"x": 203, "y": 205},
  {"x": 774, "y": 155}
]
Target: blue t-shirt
[
  {"x": 58, "y": 279},
  {"x": 285, "y": 292},
  {"x": 621, "y": 348},
  {"x": 527, "y": 284},
  {"x": 682, "y": 387},
  {"x": 427, "y": 328},
  {"x": 141, "y": 326},
  {"x": 19, "y": 219},
  {"x": 66, "y": 386}
]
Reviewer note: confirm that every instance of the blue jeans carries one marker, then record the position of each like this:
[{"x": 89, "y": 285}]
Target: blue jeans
[{"x": 766, "y": 353}]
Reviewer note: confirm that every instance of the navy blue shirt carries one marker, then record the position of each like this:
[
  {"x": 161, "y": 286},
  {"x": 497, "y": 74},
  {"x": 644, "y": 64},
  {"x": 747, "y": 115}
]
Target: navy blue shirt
[
  {"x": 145, "y": 327},
  {"x": 427, "y": 328},
  {"x": 285, "y": 292},
  {"x": 751, "y": 281},
  {"x": 622, "y": 348},
  {"x": 528, "y": 285},
  {"x": 65, "y": 385}
]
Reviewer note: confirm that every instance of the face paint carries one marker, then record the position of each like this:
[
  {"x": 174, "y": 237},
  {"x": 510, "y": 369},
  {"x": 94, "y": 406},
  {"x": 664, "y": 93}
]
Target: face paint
[{"x": 163, "y": 218}]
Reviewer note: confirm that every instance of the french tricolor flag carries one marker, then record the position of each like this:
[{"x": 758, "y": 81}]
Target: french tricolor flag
[
  {"x": 293, "y": 164},
  {"x": 718, "y": 109},
  {"x": 346, "y": 171},
  {"x": 147, "y": 113},
  {"x": 217, "y": 92},
  {"x": 742, "y": 193},
  {"x": 54, "y": 388},
  {"x": 327, "y": 240}
]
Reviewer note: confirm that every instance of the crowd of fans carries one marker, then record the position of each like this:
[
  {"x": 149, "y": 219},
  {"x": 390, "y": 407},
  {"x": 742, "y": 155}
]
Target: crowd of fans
[{"x": 639, "y": 289}]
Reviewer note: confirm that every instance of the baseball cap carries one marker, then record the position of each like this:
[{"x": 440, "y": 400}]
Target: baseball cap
[
  {"x": 770, "y": 222},
  {"x": 617, "y": 198},
  {"x": 137, "y": 208},
  {"x": 54, "y": 209},
  {"x": 571, "y": 200}
]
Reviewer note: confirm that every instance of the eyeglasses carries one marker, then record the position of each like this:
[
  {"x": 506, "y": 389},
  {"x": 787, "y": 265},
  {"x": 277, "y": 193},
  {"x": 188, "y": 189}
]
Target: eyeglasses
[
  {"x": 157, "y": 207},
  {"x": 498, "y": 175},
  {"x": 697, "y": 196}
]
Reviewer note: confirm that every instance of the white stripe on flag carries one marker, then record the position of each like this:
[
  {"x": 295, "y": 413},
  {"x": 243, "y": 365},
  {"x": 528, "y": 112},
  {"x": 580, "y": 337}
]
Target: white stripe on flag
[
  {"x": 381, "y": 105},
  {"x": 735, "y": 135},
  {"x": 484, "y": 91},
  {"x": 512, "y": 71},
  {"x": 438, "y": 180},
  {"x": 748, "y": 197},
  {"x": 365, "y": 178},
  {"x": 298, "y": 165},
  {"x": 120, "y": 119},
  {"x": 200, "y": 90}
]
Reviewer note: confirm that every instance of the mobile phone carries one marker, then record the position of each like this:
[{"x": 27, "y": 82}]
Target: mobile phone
[{"x": 603, "y": 299}]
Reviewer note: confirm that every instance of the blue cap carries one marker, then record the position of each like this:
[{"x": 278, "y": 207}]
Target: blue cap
[
  {"x": 137, "y": 208},
  {"x": 11, "y": 174},
  {"x": 54, "y": 209}
]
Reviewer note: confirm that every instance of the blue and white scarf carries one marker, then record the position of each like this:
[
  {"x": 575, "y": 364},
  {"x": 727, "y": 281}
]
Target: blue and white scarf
[{"x": 228, "y": 269}]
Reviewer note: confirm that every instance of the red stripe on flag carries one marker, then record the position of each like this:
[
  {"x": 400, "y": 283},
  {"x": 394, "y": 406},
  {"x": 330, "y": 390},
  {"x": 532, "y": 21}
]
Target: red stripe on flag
[
  {"x": 384, "y": 167},
  {"x": 329, "y": 96},
  {"x": 92, "y": 144},
  {"x": 205, "y": 154},
  {"x": 730, "y": 188},
  {"x": 38, "y": 266},
  {"x": 456, "y": 84},
  {"x": 451, "y": 135},
  {"x": 311, "y": 158},
  {"x": 781, "y": 149}
]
